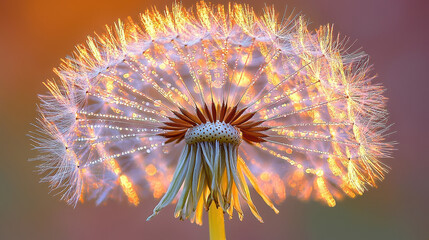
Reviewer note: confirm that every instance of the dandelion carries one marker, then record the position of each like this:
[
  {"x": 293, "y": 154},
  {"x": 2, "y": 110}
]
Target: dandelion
[{"x": 195, "y": 107}]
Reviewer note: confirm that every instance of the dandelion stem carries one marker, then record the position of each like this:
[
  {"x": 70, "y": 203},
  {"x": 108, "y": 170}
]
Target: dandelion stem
[{"x": 216, "y": 223}]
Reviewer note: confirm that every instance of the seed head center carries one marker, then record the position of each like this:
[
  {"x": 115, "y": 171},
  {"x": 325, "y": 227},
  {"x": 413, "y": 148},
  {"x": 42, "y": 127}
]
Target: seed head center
[
  {"x": 210, "y": 132},
  {"x": 219, "y": 122}
]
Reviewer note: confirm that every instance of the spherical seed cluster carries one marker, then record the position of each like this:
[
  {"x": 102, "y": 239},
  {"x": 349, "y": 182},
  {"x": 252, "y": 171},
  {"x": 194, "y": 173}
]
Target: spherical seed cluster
[
  {"x": 312, "y": 122},
  {"x": 210, "y": 132}
]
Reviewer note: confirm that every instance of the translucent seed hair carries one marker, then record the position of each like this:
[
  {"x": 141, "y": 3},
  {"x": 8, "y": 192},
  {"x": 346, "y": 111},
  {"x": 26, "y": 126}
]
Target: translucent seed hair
[{"x": 195, "y": 107}]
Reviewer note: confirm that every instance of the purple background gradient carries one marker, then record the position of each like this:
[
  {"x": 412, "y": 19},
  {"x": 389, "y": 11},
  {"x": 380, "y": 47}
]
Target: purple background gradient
[{"x": 34, "y": 35}]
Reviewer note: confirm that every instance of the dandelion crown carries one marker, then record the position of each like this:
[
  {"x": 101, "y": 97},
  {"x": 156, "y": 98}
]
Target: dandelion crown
[{"x": 198, "y": 106}]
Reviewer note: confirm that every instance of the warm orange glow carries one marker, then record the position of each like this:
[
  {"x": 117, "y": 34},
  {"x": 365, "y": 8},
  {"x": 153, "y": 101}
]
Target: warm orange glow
[
  {"x": 81, "y": 198},
  {"x": 242, "y": 79},
  {"x": 295, "y": 181},
  {"x": 324, "y": 192},
  {"x": 273, "y": 185},
  {"x": 157, "y": 181},
  {"x": 109, "y": 85},
  {"x": 162, "y": 66},
  {"x": 128, "y": 189},
  {"x": 274, "y": 79},
  {"x": 347, "y": 190},
  {"x": 150, "y": 170},
  {"x": 334, "y": 167},
  {"x": 296, "y": 98},
  {"x": 125, "y": 183},
  {"x": 265, "y": 176},
  {"x": 158, "y": 189},
  {"x": 115, "y": 166}
]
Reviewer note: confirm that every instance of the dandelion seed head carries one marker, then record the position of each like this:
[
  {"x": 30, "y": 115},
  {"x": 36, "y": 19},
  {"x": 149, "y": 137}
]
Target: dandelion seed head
[{"x": 197, "y": 107}]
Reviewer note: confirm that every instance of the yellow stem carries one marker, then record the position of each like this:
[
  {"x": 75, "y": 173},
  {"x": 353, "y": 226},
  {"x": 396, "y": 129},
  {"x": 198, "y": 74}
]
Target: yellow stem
[{"x": 216, "y": 223}]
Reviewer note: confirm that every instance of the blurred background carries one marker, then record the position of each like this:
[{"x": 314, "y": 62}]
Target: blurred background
[{"x": 34, "y": 35}]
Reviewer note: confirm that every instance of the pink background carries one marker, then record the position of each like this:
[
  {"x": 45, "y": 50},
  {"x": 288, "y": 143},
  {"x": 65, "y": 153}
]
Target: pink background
[{"x": 34, "y": 35}]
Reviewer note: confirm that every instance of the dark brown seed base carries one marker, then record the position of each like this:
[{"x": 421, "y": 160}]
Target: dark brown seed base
[{"x": 177, "y": 127}]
